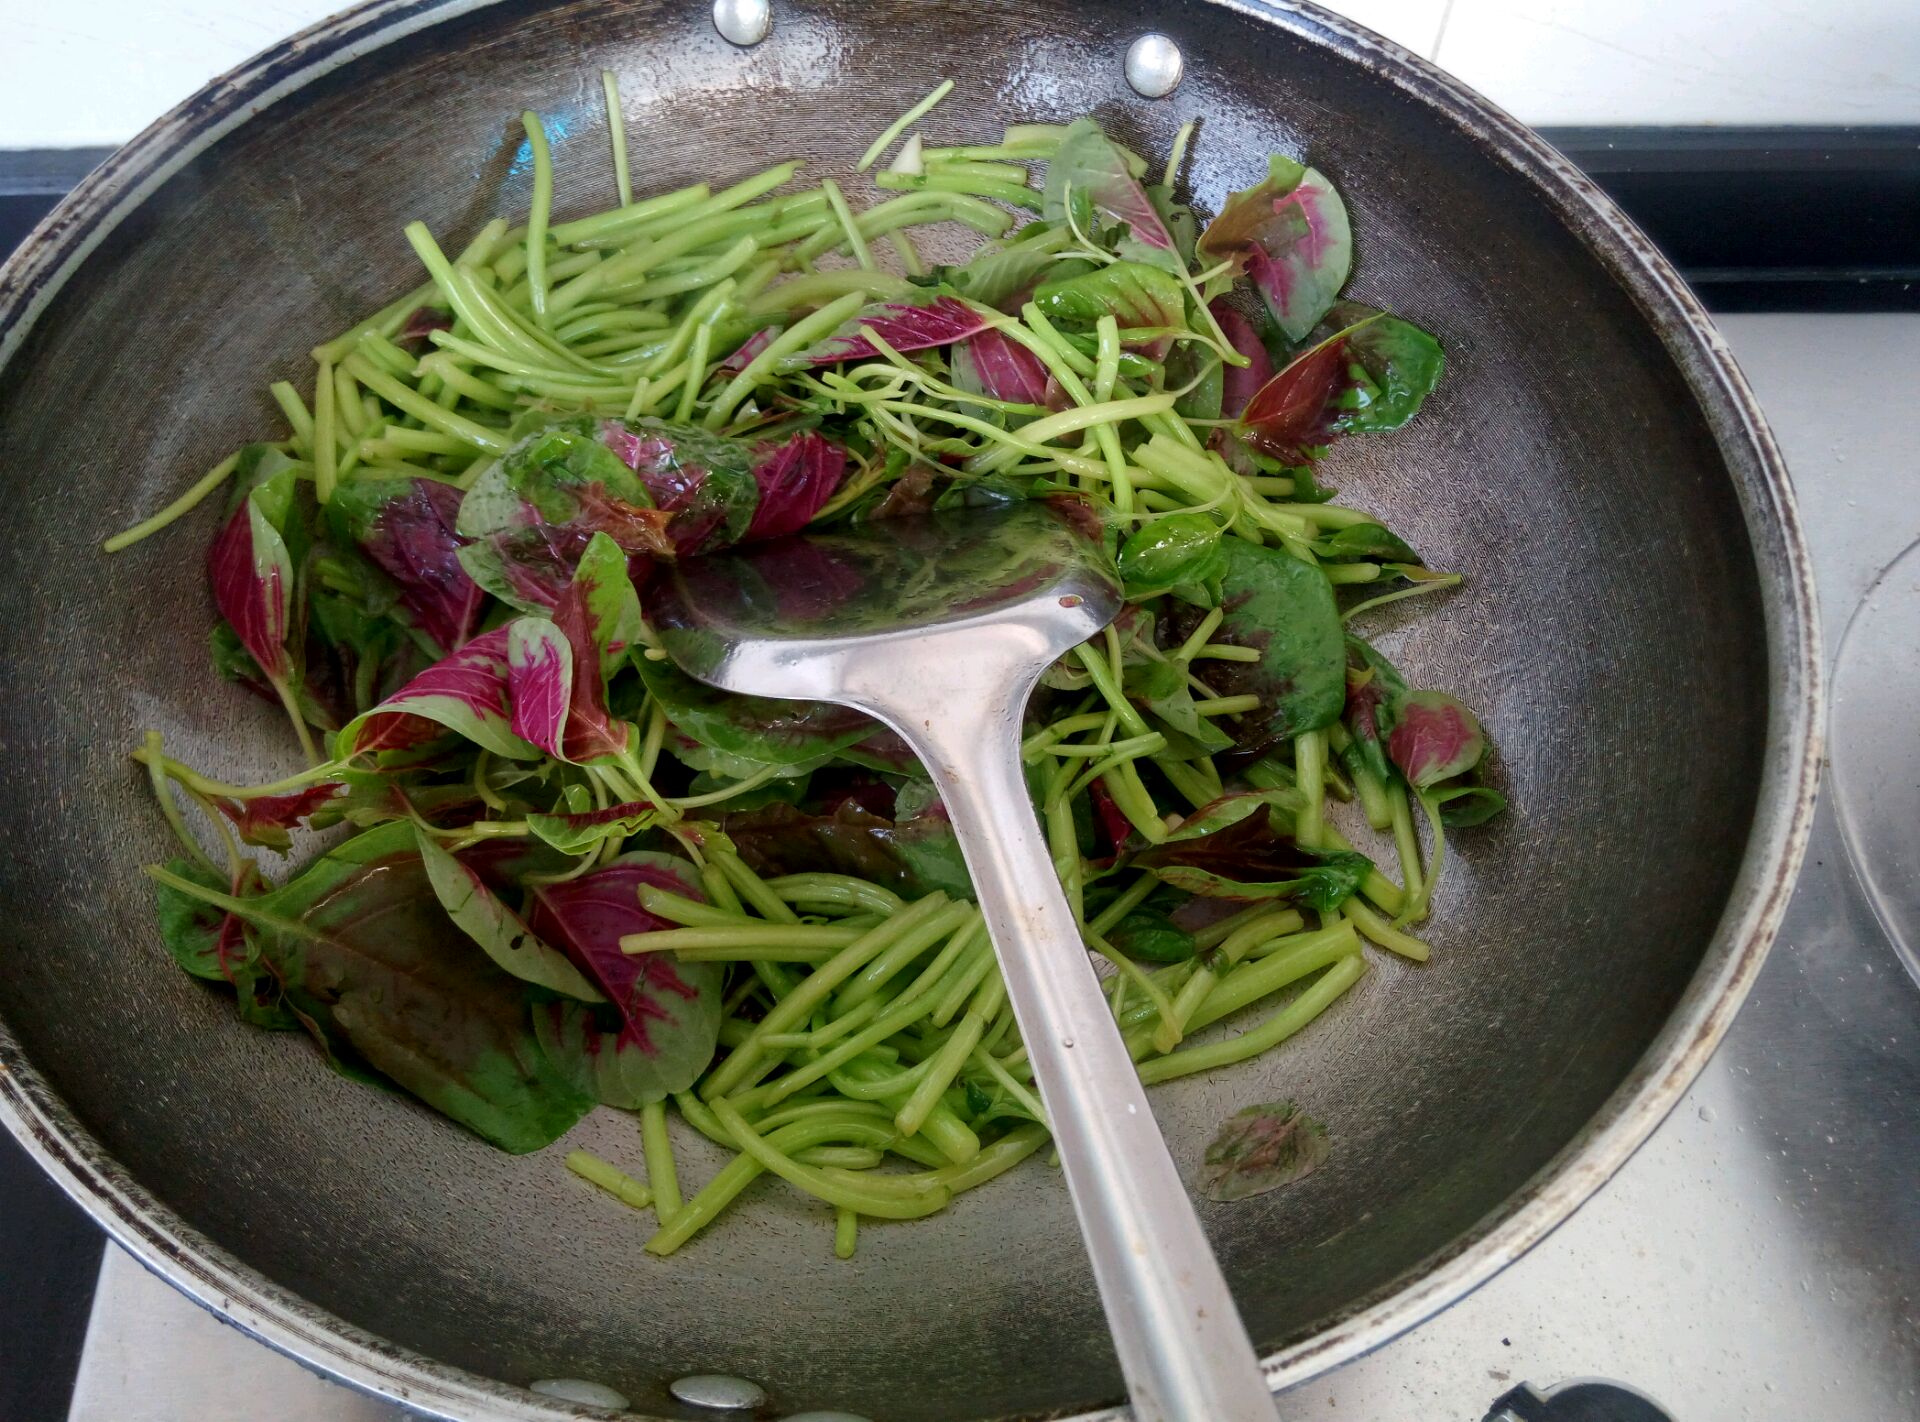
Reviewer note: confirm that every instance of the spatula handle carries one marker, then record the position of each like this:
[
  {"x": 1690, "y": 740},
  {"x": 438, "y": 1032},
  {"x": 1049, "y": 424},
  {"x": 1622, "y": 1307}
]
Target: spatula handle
[{"x": 1183, "y": 1349}]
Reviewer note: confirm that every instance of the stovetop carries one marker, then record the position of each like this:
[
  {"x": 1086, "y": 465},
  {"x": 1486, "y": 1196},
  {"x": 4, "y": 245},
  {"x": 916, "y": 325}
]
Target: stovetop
[{"x": 1758, "y": 1258}]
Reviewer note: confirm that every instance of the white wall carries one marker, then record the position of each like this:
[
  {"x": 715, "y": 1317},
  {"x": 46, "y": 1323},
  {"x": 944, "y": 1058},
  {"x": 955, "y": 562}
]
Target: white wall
[{"x": 78, "y": 72}]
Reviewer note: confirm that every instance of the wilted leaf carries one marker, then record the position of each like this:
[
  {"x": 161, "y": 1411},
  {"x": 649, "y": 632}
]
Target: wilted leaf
[{"x": 1262, "y": 1148}]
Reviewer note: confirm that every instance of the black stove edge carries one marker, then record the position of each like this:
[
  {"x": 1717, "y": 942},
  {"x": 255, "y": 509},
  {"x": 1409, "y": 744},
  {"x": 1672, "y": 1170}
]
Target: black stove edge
[
  {"x": 1758, "y": 219},
  {"x": 1771, "y": 219}
]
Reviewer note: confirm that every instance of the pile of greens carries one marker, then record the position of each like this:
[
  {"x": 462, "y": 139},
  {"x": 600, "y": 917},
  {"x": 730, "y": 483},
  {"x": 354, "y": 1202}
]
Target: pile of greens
[{"x": 568, "y": 875}]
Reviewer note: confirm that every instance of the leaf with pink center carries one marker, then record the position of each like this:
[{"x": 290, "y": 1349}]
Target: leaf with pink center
[
  {"x": 1088, "y": 162},
  {"x": 555, "y": 686},
  {"x": 1291, "y": 236},
  {"x": 1434, "y": 738},
  {"x": 406, "y": 526},
  {"x": 939, "y": 319},
  {"x": 657, "y": 1032},
  {"x": 464, "y": 692}
]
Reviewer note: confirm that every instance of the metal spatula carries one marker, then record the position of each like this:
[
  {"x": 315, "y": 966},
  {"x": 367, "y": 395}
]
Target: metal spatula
[{"x": 940, "y": 626}]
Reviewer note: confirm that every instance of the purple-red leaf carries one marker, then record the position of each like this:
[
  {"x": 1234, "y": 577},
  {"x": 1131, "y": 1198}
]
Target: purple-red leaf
[
  {"x": 417, "y": 334},
  {"x": 1434, "y": 738},
  {"x": 1239, "y": 384},
  {"x": 265, "y": 819},
  {"x": 555, "y": 687},
  {"x": 464, "y": 692},
  {"x": 913, "y": 853},
  {"x": 749, "y": 348},
  {"x": 796, "y": 478},
  {"x": 406, "y": 527},
  {"x": 659, "y": 1031},
  {"x": 1293, "y": 412},
  {"x": 993, "y": 364},
  {"x": 1371, "y": 375},
  {"x": 1290, "y": 233},
  {"x": 906, "y": 326},
  {"x": 252, "y": 578}
]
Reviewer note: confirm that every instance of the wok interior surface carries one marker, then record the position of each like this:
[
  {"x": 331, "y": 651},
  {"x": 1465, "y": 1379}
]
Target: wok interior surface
[{"x": 1611, "y": 633}]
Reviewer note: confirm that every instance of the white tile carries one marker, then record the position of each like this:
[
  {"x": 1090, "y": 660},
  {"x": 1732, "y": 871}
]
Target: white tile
[
  {"x": 99, "y": 71},
  {"x": 74, "y": 75},
  {"x": 1411, "y": 24},
  {"x": 1690, "y": 61}
]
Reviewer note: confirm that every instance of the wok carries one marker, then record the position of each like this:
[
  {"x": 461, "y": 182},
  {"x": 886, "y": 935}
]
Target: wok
[{"x": 1637, "y": 631}]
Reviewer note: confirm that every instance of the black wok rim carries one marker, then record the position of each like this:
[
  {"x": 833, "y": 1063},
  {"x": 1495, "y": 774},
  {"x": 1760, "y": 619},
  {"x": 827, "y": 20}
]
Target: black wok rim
[{"x": 155, "y": 1235}]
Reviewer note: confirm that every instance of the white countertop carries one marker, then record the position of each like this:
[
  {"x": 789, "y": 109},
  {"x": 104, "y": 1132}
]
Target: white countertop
[{"x": 95, "y": 72}]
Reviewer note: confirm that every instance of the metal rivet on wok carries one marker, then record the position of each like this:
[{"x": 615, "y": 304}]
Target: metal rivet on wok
[
  {"x": 1154, "y": 66},
  {"x": 589, "y": 1394},
  {"x": 743, "y": 22},
  {"x": 717, "y": 1390}
]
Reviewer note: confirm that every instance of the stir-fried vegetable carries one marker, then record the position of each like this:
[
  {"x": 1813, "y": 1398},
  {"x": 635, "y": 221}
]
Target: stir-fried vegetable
[{"x": 573, "y": 876}]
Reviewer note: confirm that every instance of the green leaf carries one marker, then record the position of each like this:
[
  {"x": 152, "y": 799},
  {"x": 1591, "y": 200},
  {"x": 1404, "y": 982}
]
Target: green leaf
[
  {"x": 495, "y": 927},
  {"x": 532, "y": 512},
  {"x": 1096, "y": 178},
  {"x": 372, "y": 964},
  {"x": 578, "y": 832},
  {"x": 204, "y": 939},
  {"x": 613, "y": 608},
  {"x": 1231, "y": 849},
  {"x": 760, "y": 729},
  {"x": 1284, "y": 608},
  {"x": 1262, "y": 1148},
  {"x": 1365, "y": 541},
  {"x": 1161, "y": 686},
  {"x": 1152, "y": 937},
  {"x": 1181, "y": 548},
  {"x": 1229, "y": 810},
  {"x": 1392, "y": 366},
  {"x": 1197, "y": 370},
  {"x": 1004, "y": 274},
  {"x": 1132, "y": 293},
  {"x": 1462, "y": 806}
]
